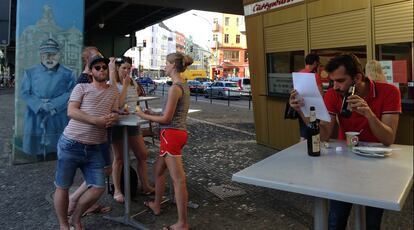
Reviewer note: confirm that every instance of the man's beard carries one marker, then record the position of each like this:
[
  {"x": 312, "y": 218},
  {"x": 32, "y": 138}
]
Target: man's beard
[
  {"x": 49, "y": 64},
  {"x": 341, "y": 92},
  {"x": 100, "y": 79}
]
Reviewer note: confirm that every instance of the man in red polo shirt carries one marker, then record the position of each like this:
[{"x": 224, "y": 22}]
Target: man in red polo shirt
[
  {"x": 312, "y": 64},
  {"x": 375, "y": 110}
]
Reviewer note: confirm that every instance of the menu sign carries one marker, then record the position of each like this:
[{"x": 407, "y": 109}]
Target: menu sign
[
  {"x": 395, "y": 71},
  {"x": 387, "y": 69},
  {"x": 399, "y": 71}
]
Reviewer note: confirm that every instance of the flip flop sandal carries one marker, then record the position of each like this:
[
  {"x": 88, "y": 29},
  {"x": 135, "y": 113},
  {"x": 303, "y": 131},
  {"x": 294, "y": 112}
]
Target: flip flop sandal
[
  {"x": 98, "y": 209},
  {"x": 148, "y": 193},
  {"x": 119, "y": 198},
  {"x": 146, "y": 204}
]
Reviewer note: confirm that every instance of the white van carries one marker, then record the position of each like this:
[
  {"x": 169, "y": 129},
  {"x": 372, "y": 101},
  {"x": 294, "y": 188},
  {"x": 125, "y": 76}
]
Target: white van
[{"x": 244, "y": 84}]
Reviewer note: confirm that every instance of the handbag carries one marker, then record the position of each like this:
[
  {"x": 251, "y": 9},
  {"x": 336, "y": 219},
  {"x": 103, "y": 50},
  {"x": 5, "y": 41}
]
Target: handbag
[
  {"x": 290, "y": 113},
  {"x": 133, "y": 183}
]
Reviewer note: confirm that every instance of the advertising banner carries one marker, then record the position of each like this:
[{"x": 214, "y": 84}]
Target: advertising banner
[{"x": 49, "y": 40}]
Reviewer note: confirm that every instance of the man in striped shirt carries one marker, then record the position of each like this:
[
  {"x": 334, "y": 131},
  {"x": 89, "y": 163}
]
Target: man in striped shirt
[{"x": 90, "y": 109}]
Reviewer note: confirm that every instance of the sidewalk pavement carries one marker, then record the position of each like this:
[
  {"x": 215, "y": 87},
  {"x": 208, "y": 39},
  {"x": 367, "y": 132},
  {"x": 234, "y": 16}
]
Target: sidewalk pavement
[{"x": 221, "y": 142}]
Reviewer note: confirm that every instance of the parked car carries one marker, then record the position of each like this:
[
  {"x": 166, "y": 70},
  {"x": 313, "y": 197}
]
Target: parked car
[
  {"x": 206, "y": 84},
  {"x": 201, "y": 79},
  {"x": 223, "y": 89},
  {"x": 195, "y": 86},
  {"x": 145, "y": 81},
  {"x": 162, "y": 80},
  {"x": 244, "y": 84}
]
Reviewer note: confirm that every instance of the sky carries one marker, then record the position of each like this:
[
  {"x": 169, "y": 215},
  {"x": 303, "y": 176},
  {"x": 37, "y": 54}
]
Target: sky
[
  {"x": 196, "y": 26},
  {"x": 66, "y": 14}
]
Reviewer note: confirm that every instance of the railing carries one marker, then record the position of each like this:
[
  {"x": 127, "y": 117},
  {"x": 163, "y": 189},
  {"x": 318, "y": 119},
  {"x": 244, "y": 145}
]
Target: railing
[{"x": 227, "y": 94}]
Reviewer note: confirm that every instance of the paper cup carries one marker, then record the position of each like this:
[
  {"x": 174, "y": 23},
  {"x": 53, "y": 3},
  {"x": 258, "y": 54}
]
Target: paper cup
[{"x": 351, "y": 139}]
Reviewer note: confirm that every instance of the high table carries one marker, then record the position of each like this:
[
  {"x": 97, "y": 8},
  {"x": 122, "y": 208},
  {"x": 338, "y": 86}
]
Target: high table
[
  {"x": 343, "y": 176},
  {"x": 125, "y": 121},
  {"x": 146, "y": 99}
]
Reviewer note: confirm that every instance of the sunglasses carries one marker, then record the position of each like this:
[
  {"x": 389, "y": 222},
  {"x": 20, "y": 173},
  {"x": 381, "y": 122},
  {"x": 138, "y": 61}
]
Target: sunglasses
[
  {"x": 98, "y": 67},
  {"x": 122, "y": 60}
]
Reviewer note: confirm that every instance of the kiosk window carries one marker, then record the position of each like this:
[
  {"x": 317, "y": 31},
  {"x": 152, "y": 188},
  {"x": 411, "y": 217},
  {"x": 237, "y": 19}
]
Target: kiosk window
[
  {"x": 397, "y": 63},
  {"x": 279, "y": 71}
]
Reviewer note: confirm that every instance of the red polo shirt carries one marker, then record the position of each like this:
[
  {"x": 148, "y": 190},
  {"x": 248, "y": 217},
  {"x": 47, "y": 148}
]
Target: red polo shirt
[
  {"x": 317, "y": 76},
  {"x": 383, "y": 98}
]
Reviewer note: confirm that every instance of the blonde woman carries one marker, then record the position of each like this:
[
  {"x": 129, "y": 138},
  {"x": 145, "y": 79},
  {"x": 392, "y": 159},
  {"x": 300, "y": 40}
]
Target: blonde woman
[
  {"x": 374, "y": 71},
  {"x": 173, "y": 137},
  {"x": 120, "y": 70}
]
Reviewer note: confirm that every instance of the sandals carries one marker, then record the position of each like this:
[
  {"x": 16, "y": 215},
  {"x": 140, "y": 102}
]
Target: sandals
[
  {"x": 149, "y": 193},
  {"x": 119, "y": 197},
  {"x": 147, "y": 205},
  {"x": 97, "y": 209}
]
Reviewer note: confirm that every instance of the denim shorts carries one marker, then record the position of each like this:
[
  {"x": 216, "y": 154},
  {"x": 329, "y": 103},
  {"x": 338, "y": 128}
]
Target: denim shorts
[
  {"x": 106, "y": 154},
  {"x": 73, "y": 155}
]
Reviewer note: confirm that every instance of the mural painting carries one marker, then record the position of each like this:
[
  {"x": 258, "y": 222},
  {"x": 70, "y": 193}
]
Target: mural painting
[{"x": 48, "y": 52}]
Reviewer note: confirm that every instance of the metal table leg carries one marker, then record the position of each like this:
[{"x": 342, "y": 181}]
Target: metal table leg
[
  {"x": 320, "y": 214},
  {"x": 126, "y": 219},
  {"x": 359, "y": 217}
]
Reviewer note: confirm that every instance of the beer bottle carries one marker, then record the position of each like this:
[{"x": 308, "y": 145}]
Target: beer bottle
[
  {"x": 346, "y": 110},
  {"x": 312, "y": 135}
]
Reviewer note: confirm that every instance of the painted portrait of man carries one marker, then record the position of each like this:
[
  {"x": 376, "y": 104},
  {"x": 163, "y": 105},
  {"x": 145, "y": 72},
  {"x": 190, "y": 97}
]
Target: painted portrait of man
[{"x": 45, "y": 88}]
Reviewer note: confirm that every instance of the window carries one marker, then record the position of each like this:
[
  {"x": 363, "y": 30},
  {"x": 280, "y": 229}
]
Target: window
[
  {"x": 214, "y": 37},
  {"x": 396, "y": 60},
  {"x": 226, "y": 38},
  {"x": 230, "y": 55},
  {"x": 238, "y": 39},
  {"x": 246, "y": 56},
  {"x": 279, "y": 71},
  {"x": 215, "y": 20},
  {"x": 237, "y": 21},
  {"x": 226, "y": 21}
]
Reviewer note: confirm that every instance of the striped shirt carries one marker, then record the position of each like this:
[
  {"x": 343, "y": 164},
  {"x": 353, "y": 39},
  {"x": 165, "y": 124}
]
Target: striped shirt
[{"x": 94, "y": 102}]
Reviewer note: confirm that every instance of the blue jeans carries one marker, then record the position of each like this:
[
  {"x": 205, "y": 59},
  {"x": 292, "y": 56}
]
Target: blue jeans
[
  {"x": 73, "y": 155},
  {"x": 339, "y": 212},
  {"x": 106, "y": 154}
]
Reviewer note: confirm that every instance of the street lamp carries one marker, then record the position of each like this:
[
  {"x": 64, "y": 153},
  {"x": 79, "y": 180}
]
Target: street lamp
[
  {"x": 140, "y": 47},
  {"x": 216, "y": 48}
]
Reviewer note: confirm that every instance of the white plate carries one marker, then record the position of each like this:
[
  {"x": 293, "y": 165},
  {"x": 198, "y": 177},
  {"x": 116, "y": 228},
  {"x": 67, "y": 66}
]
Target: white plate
[
  {"x": 374, "y": 150},
  {"x": 375, "y": 155}
]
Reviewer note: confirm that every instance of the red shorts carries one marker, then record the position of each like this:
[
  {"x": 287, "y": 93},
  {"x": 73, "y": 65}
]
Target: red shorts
[{"x": 172, "y": 141}]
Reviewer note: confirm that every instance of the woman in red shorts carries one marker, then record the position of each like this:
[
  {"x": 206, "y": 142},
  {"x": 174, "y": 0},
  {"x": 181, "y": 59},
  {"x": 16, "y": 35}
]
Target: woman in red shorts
[{"x": 173, "y": 137}]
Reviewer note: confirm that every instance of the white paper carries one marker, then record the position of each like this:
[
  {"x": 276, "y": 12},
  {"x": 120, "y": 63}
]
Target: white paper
[{"x": 305, "y": 85}]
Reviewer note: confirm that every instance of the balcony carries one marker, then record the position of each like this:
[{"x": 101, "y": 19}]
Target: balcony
[{"x": 215, "y": 27}]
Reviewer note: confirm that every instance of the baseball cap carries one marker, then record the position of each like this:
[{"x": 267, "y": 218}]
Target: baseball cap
[
  {"x": 49, "y": 46},
  {"x": 97, "y": 58}
]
